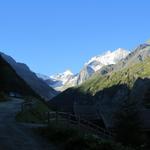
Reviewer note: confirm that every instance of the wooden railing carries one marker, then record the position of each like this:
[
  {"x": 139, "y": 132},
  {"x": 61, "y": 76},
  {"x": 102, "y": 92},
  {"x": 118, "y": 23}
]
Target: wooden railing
[{"x": 71, "y": 119}]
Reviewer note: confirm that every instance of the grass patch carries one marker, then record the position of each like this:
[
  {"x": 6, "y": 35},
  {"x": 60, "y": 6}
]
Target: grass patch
[
  {"x": 27, "y": 117},
  {"x": 33, "y": 115},
  {"x": 58, "y": 133},
  {"x": 3, "y": 97},
  {"x": 75, "y": 139}
]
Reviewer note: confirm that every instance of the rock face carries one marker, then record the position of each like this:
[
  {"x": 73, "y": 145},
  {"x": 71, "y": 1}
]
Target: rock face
[
  {"x": 111, "y": 86},
  {"x": 102, "y": 64},
  {"x": 109, "y": 101},
  {"x": 138, "y": 55},
  {"x": 85, "y": 73},
  {"x": 63, "y": 80},
  {"x": 37, "y": 85}
]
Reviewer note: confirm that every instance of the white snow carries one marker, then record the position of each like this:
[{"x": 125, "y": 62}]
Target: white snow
[
  {"x": 63, "y": 77},
  {"x": 108, "y": 58}
]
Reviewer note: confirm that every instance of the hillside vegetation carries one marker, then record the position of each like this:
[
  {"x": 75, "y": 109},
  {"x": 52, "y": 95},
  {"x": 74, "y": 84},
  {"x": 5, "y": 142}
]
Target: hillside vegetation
[
  {"x": 34, "y": 114},
  {"x": 127, "y": 76}
]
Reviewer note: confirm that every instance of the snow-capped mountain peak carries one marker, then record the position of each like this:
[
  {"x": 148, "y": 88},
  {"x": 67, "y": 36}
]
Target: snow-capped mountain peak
[
  {"x": 62, "y": 81},
  {"x": 68, "y": 72},
  {"x": 63, "y": 77},
  {"x": 108, "y": 58}
]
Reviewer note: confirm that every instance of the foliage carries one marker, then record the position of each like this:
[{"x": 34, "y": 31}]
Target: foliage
[
  {"x": 74, "y": 139},
  {"x": 98, "y": 82},
  {"x": 27, "y": 116},
  {"x": 3, "y": 96},
  {"x": 128, "y": 124},
  {"x": 58, "y": 133},
  {"x": 33, "y": 115}
]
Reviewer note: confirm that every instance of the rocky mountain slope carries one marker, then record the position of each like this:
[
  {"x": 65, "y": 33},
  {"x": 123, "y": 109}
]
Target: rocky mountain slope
[
  {"x": 10, "y": 82},
  {"x": 106, "y": 92},
  {"x": 64, "y": 80},
  {"x": 30, "y": 78},
  {"x": 97, "y": 62}
]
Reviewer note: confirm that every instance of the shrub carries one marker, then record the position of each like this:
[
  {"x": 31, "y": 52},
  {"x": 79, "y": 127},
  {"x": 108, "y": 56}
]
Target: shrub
[
  {"x": 110, "y": 145},
  {"x": 75, "y": 139},
  {"x": 58, "y": 133},
  {"x": 3, "y": 96},
  {"x": 127, "y": 125},
  {"x": 82, "y": 142}
]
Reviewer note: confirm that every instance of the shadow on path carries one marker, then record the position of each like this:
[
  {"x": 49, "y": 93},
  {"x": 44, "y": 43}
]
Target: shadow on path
[{"x": 13, "y": 135}]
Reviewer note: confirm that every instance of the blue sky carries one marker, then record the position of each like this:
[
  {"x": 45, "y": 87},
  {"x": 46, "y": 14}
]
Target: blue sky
[{"x": 54, "y": 35}]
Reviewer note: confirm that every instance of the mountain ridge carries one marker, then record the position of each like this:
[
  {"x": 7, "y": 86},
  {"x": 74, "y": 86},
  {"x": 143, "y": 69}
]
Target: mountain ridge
[
  {"x": 62, "y": 81},
  {"x": 22, "y": 70}
]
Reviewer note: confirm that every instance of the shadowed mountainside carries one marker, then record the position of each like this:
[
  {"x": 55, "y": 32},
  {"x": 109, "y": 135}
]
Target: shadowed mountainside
[
  {"x": 11, "y": 82},
  {"x": 26, "y": 75}
]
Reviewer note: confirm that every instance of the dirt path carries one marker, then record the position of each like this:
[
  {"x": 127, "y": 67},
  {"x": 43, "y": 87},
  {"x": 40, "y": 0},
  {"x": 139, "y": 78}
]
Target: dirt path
[{"x": 14, "y": 136}]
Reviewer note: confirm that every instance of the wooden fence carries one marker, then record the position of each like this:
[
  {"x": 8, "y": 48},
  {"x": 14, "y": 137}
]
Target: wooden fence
[
  {"x": 70, "y": 120},
  {"x": 73, "y": 120}
]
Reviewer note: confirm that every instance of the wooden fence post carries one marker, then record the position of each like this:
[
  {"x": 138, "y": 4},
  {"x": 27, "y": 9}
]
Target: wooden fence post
[
  {"x": 56, "y": 117},
  {"x": 48, "y": 117},
  {"x": 68, "y": 119},
  {"x": 79, "y": 121},
  {"x": 22, "y": 107}
]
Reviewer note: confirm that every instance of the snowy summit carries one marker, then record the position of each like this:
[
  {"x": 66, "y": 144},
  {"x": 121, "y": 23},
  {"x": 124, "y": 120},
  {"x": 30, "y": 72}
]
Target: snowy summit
[
  {"x": 62, "y": 76},
  {"x": 108, "y": 58}
]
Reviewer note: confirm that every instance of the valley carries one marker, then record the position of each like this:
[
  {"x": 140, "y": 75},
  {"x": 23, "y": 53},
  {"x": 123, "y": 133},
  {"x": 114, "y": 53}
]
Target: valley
[
  {"x": 96, "y": 94},
  {"x": 74, "y": 75}
]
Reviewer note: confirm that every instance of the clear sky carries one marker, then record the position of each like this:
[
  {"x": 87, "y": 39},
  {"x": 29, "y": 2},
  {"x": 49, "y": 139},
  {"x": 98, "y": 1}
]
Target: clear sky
[{"x": 54, "y": 35}]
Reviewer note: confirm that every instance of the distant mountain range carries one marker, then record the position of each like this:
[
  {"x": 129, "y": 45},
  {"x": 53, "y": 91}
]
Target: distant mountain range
[{"x": 62, "y": 81}]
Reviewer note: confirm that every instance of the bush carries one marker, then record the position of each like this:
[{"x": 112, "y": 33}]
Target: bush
[
  {"x": 110, "y": 145},
  {"x": 75, "y": 139},
  {"x": 28, "y": 117},
  {"x": 58, "y": 133},
  {"x": 3, "y": 96},
  {"x": 77, "y": 143},
  {"x": 82, "y": 142},
  {"x": 35, "y": 114},
  {"x": 128, "y": 125}
]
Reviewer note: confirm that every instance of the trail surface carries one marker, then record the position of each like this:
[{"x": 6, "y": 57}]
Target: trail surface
[{"x": 15, "y": 136}]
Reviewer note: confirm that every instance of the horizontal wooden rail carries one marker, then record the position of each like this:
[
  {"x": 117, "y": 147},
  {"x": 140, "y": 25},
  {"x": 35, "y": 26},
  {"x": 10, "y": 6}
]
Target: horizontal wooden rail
[{"x": 72, "y": 119}]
